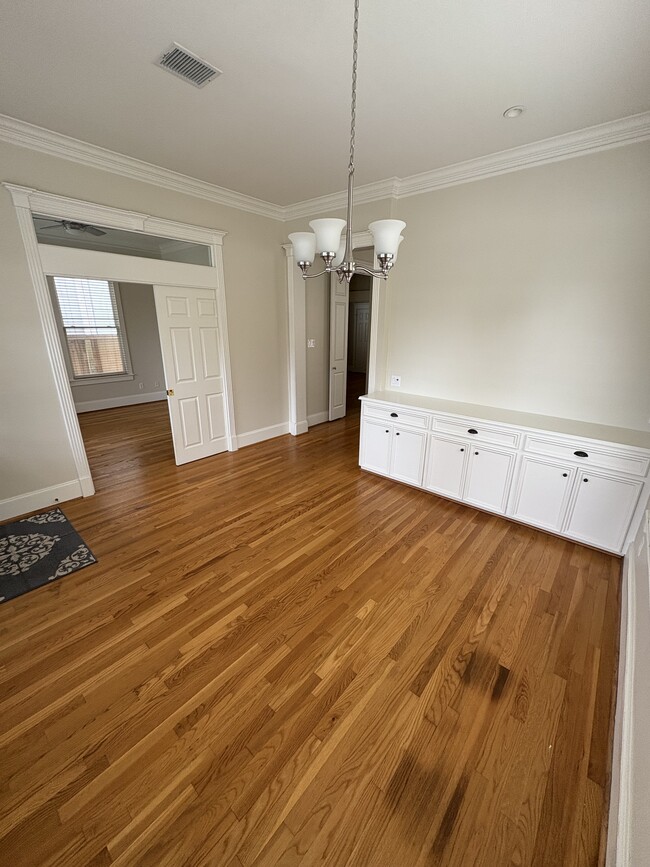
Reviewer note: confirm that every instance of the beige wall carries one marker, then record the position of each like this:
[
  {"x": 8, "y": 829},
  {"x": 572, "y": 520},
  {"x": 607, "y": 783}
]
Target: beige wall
[
  {"x": 530, "y": 291},
  {"x": 141, "y": 327},
  {"x": 34, "y": 450}
]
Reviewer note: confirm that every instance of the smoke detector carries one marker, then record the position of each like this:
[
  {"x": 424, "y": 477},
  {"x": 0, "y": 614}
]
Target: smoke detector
[{"x": 188, "y": 66}]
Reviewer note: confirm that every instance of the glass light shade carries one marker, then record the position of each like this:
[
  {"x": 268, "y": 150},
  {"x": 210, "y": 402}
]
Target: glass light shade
[
  {"x": 328, "y": 234},
  {"x": 340, "y": 254},
  {"x": 385, "y": 234},
  {"x": 304, "y": 246},
  {"x": 399, "y": 241}
]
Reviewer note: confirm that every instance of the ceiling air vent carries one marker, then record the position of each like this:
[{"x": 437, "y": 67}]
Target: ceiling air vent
[{"x": 181, "y": 62}]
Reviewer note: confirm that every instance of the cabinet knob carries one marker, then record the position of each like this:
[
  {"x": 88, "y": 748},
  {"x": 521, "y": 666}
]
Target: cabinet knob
[
  {"x": 396, "y": 433},
  {"x": 475, "y": 453},
  {"x": 564, "y": 475},
  {"x": 393, "y": 415},
  {"x": 387, "y": 431},
  {"x": 585, "y": 480},
  {"x": 472, "y": 430},
  {"x": 581, "y": 455},
  {"x": 462, "y": 450}
]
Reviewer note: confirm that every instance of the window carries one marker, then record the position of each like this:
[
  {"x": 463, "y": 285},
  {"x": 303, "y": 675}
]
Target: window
[{"x": 91, "y": 323}]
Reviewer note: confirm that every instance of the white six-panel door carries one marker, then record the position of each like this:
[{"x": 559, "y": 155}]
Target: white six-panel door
[
  {"x": 339, "y": 300},
  {"x": 191, "y": 353}
]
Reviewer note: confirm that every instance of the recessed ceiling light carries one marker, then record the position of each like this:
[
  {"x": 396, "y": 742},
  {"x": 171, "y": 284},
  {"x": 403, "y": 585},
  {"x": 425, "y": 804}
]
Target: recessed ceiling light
[{"x": 514, "y": 111}]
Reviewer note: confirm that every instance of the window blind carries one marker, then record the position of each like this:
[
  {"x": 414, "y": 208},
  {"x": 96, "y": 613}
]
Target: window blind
[{"x": 91, "y": 324}]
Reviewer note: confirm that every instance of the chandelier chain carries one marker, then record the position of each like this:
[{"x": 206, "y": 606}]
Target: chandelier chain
[{"x": 353, "y": 108}]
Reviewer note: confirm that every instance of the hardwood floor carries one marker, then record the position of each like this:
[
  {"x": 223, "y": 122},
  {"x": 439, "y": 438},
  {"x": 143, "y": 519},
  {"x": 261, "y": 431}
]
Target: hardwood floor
[{"x": 281, "y": 660}]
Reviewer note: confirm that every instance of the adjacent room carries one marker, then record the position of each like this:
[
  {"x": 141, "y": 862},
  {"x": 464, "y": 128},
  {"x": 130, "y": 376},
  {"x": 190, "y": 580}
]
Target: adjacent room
[{"x": 325, "y": 433}]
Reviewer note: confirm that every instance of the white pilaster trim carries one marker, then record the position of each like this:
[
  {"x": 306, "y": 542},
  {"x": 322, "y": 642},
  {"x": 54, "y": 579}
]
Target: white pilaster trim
[
  {"x": 53, "y": 346},
  {"x": 18, "y": 132},
  {"x": 224, "y": 346},
  {"x": 297, "y": 348}
]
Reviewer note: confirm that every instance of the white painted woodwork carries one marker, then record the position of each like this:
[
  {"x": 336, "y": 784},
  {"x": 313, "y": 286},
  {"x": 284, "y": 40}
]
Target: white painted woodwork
[
  {"x": 407, "y": 455},
  {"x": 543, "y": 490},
  {"x": 446, "y": 465},
  {"x": 488, "y": 477},
  {"x": 522, "y": 476},
  {"x": 74, "y": 262},
  {"x": 28, "y": 201},
  {"x": 191, "y": 353},
  {"x": 359, "y": 335},
  {"x": 601, "y": 508},
  {"x": 375, "y": 446},
  {"x": 339, "y": 304}
]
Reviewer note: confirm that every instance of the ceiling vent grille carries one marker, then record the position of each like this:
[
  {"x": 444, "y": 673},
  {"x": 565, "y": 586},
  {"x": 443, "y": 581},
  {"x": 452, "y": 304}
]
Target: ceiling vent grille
[{"x": 181, "y": 62}]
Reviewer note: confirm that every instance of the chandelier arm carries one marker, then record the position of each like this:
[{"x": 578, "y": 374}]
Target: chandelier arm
[
  {"x": 306, "y": 276},
  {"x": 370, "y": 272}
]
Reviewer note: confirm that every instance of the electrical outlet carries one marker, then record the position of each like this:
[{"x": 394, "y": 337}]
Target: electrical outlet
[
  {"x": 395, "y": 381},
  {"x": 141, "y": 385},
  {"x": 311, "y": 343},
  {"x": 156, "y": 385}
]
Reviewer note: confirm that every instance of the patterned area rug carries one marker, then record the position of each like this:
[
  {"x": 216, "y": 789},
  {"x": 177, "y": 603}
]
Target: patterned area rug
[{"x": 38, "y": 550}]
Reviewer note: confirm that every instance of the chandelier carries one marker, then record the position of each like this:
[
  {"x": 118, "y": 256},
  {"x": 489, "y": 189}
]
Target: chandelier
[{"x": 326, "y": 239}]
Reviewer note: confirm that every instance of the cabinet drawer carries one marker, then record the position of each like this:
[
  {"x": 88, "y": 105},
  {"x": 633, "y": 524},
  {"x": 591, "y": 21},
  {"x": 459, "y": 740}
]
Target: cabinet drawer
[
  {"x": 610, "y": 459},
  {"x": 396, "y": 414},
  {"x": 483, "y": 433}
]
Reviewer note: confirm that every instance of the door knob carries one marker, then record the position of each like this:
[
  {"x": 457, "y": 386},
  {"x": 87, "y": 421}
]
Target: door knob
[{"x": 170, "y": 392}]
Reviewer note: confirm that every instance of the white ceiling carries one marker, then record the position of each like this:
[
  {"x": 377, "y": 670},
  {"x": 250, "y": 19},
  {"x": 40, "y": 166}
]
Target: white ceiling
[{"x": 434, "y": 79}]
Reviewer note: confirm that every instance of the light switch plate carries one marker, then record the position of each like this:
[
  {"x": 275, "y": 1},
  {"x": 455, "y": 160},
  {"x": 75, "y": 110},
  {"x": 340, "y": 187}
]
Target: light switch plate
[
  {"x": 311, "y": 343},
  {"x": 395, "y": 381}
]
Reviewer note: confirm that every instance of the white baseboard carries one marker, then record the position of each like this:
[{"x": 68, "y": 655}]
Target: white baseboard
[
  {"x": 126, "y": 400},
  {"x": 318, "y": 418},
  {"x": 14, "y": 506},
  {"x": 261, "y": 434}
]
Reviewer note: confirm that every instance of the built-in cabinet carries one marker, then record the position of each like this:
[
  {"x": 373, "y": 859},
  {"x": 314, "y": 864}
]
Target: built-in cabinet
[{"x": 579, "y": 487}]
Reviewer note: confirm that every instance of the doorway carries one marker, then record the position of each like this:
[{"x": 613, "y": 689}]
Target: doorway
[
  {"x": 164, "y": 265},
  {"x": 350, "y": 339}
]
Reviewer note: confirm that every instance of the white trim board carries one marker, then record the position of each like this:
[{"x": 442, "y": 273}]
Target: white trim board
[
  {"x": 125, "y": 400},
  {"x": 614, "y": 133},
  {"x": 29, "y": 502},
  {"x": 317, "y": 418},
  {"x": 263, "y": 433}
]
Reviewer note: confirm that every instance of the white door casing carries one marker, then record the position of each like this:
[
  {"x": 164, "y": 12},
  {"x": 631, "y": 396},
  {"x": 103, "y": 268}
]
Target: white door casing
[
  {"x": 28, "y": 201},
  {"x": 339, "y": 303},
  {"x": 192, "y": 353}
]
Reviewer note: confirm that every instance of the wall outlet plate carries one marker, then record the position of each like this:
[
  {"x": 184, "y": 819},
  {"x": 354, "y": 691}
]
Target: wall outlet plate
[
  {"x": 395, "y": 381},
  {"x": 311, "y": 343}
]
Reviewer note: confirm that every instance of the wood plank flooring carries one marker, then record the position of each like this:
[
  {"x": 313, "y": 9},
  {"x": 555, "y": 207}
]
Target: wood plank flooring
[{"x": 281, "y": 660}]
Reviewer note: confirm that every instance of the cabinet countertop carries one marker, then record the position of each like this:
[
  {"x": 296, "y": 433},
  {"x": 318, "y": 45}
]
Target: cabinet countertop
[{"x": 569, "y": 427}]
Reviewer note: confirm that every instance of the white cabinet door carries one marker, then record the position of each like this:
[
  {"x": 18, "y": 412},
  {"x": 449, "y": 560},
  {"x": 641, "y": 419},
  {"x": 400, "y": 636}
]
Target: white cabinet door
[
  {"x": 488, "y": 478},
  {"x": 407, "y": 460},
  {"x": 542, "y": 493},
  {"x": 446, "y": 466},
  {"x": 376, "y": 440},
  {"x": 601, "y": 510}
]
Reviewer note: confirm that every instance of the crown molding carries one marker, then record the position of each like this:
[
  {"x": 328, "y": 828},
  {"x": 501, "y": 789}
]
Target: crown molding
[
  {"x": 604, "y": 136},
  {"x": 18, "y": 132},
  {"x": 574, "y": 144},
  {"x": 616, "y": 133},
  {"x": 387, "y": 189}
]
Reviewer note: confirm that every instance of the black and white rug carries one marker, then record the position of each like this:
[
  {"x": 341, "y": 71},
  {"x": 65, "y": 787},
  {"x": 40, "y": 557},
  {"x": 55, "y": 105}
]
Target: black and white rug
[{"x": 38, "y": 550}]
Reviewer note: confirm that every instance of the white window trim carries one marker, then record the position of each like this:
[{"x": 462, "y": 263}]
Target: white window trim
[{"x": 100, "y": 379}]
